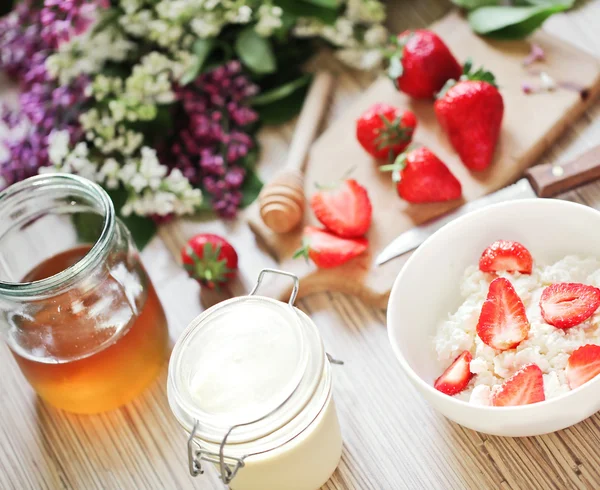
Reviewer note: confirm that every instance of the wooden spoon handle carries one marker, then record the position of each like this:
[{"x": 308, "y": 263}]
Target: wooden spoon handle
[
  {"x": 549, "y": 180},
  {"x": 310, "y": 119}
]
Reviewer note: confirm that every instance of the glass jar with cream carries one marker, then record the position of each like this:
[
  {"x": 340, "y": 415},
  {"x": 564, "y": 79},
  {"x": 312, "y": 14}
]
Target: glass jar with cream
[{"x": 250, "y": 382}]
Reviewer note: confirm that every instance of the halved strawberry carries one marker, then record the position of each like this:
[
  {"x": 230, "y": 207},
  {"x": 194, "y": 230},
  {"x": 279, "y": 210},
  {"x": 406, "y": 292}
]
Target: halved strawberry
[
  {"x": 457, "y": 376},
  {"x": 504, "y": 255},
  {"x": 327, "y": 250},
  {"x": 345, "y": 209},
  {"x": 583, "y": 365},
  {"x": 566, "y": 304},
  {"x": 502, "y": 322},
  {"x": 522, "y": 388}
]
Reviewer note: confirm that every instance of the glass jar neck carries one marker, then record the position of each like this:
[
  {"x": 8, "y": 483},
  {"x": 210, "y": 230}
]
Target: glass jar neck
[{"x": 26, "y": 202}]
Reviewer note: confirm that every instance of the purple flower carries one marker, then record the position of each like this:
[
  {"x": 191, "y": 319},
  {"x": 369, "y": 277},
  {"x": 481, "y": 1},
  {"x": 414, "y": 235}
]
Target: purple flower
[
  {"x": 210, "y": 138},
  {"x": 62, "y": 19}
]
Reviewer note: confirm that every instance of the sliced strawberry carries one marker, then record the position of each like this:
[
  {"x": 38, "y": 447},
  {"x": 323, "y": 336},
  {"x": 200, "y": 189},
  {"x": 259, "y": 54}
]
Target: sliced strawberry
[
  {"x": 583, "y": 365},
  {"x": 566, "y": 304},
  {"x": 327, "y": 250},
  {"x": 502, "y": 322},
  {"x": 457, "y": 376},
  {"x": 345, "y": 210},
  {"x": 522, "y": 388},
  {"x": 504, "y": 255}
]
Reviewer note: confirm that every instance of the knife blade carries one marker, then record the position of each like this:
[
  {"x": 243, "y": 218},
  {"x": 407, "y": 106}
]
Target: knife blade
[{"x": 541, "y": 181}]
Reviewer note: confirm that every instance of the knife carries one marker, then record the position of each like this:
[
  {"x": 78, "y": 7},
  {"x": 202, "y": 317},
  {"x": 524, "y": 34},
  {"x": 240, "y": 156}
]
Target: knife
[{"x": 546, "y": 180}]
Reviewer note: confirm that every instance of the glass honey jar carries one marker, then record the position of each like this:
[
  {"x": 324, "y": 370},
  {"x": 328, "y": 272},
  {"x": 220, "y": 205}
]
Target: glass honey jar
[{"x": 77, "y": 308}]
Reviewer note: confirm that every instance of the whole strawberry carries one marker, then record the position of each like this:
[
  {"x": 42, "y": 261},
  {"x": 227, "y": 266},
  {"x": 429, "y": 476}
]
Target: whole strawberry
[
  {"x": 385, "y": 131},
  {"x": 210, "y": 259},
  {"x": 470, "y": 111},
  {"x": 422, "y": 177},
  {"x": 421, "y": 63}
]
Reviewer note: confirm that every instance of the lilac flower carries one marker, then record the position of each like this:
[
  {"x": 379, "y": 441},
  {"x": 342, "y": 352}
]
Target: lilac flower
[
  {"x": 210, "y": 139},
  {"x": 62, "y": 19},
  {"x": 21, "y": 44}
]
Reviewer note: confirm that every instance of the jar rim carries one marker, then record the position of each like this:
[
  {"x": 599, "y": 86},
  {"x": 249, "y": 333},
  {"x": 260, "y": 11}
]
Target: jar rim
[
  {"x": 62, "y": 182},
  {"x": 271, "y": 421}
]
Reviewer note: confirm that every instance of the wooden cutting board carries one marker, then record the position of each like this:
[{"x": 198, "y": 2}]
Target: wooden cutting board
[{"x": 531, "y": 124}]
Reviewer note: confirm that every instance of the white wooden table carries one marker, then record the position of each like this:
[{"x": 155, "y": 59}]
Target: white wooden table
[{"x": 392, "y": 439}]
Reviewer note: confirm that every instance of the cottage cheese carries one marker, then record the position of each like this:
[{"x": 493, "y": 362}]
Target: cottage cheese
[{"x": 546, "y": 346}]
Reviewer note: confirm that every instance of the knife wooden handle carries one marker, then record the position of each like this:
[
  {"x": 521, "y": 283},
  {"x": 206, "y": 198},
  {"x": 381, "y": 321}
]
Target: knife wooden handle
[{"x": 548, "y": 179}]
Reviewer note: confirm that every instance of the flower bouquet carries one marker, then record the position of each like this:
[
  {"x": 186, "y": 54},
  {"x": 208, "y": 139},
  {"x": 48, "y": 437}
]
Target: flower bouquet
[{"x": 159, "y": 101}]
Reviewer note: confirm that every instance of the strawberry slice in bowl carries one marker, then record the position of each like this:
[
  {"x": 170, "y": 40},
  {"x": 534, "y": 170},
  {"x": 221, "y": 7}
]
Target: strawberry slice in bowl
[
  {"x": 524, "y": 387},
  {"x": 583, "y": 365},
  {"x": 508, "y": 256},
  {"x": 566, "y": 304},
  {"x": 457, "y": 376},
  {"x": 503, "y": 321}
]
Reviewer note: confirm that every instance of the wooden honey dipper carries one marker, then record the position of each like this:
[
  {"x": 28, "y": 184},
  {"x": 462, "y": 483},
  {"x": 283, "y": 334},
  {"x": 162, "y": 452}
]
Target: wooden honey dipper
[{"x": 281, "y": 201}]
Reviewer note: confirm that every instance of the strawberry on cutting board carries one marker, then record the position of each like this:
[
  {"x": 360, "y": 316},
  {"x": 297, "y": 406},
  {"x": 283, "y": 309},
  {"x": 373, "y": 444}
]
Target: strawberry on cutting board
[
  {"x": 457, "y": 376},
  {"x": 583, "y": 365},
  {"x": 566, "y": 304},
  {"x": 385, "y": 131},
  {"x": 345, "y": 209},
  {"x": 470, "y": 111},
  {"x": 422, "y": 177},
  {"x": 421, "y": 63},
  {"x": 327, "y": 250},
  {"x": 502, "y": 322},
  {"x": 504, "y": 255},
  {"x": 522, "y": 388}
]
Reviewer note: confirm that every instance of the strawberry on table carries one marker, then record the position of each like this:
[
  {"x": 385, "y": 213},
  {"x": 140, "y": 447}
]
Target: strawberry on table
[
  {"x": 421, "y": 63},
  {"x": 470, "y": 111},
  {"x": 566, "y": 304},
  {"x": 210, "y": 259},
  {"x": 524, "y": 387},
  {"x": 422, "y": 177},
  {"x": 457, "y": 376},
  {"x": 385, "y": 131},
  {"x": 583, "y": 365},
  {"x": 502, "y": 322},
  {"x": 327, "y": 250},
  {"x": 504, "y": 255},
  {"x": 344, "y": 209}
]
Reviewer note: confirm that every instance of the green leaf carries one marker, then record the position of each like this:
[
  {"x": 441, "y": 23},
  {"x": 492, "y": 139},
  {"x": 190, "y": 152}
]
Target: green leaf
[
  {"x": 281, "y": 92},
  {"x": 305, "y": 9},
  {"x": 473, "y": 4},
  {"x": 329, "y": 4},
  {"x": 251, "y": 188},
  {"x": 512, "y": 22},
  {"x": 202, "y": 48},
  {"x": 255, "y": 51},
  {"x": 284, "y": 109}
]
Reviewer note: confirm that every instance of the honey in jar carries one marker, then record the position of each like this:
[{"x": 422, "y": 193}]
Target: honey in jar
[{"x": 84, "y": 323}]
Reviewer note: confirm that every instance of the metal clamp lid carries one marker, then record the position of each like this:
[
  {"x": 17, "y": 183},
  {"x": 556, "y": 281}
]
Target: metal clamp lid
[{"x": 229, "y": 466}]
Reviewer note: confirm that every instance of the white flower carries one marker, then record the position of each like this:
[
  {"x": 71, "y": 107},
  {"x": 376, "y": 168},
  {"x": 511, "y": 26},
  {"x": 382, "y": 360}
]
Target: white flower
[
  {"x": 362, "y": 59},
  {"x": 376, "y": 36},
  {"x": 109, "y": 173},
  {"x": 240, "y": 16},
  {"x": 366, "y": 11},
  {"x": 58, "y": 146},
  {"x": 130, "y": 6},
  {"x": 206, "y": 26},
  {"x": 269, "y": 19}
]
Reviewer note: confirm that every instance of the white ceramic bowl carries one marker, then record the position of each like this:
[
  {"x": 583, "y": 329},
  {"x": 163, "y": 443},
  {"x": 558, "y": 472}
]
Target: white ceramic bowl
[{"x": 427, "y": 289}]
